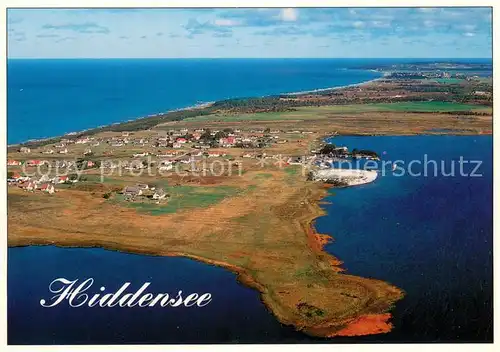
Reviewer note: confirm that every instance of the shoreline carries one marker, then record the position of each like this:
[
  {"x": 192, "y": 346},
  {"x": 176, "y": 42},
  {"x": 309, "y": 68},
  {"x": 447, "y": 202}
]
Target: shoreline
[
  {"x": 363, "y": 324},
  {"x": 69, "y": 134},
  {"x": 320, "y": 90},
  {"x": 187, "y": 108}
]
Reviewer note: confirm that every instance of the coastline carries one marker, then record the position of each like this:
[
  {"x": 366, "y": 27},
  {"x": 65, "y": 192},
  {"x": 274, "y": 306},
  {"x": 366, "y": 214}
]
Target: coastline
[
  {"x": 320, "y": 90},
  {"x": 200, "y": 106},
  {"x": 363, "y": 324}
]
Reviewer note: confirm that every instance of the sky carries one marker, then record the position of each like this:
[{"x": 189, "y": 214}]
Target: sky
[{"x": 250, "y": 33}]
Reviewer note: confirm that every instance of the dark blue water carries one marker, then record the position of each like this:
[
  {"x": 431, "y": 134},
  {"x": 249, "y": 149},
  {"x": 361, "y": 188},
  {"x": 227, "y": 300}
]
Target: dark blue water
[
  {"x": 235, "y": 314},
  {"x": 52, "y": 97},
  {"x": 431, "y": 236}
]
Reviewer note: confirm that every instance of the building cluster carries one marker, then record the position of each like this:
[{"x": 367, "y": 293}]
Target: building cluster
[
  {"x": 143, "y": 190},
  {"x": 174, "y": 139},
  {"x": 43, "y": 183}
]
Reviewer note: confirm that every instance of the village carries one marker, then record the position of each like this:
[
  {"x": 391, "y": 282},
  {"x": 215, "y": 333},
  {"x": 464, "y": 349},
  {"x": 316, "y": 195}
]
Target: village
[{"x": 53, "y": 167}]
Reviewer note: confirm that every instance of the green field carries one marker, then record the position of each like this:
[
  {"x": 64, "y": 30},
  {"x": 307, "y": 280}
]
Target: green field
[
  {"x": 264, "y": 116},
  {"x": 449, "y": 80},
  {"x": 181, "y": 197},
  {"x": 417, "y": 106},
  {"x": 319, "y": 112}
]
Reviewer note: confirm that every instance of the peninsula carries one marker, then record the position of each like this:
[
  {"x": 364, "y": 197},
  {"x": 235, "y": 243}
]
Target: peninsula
[{"x": 256, "y": 217}]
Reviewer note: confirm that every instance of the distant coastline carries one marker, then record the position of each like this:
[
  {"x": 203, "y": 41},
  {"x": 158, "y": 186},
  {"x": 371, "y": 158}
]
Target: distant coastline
[
  {"x": 383, "y": 75},
  {"x": 201, "y": 105}
]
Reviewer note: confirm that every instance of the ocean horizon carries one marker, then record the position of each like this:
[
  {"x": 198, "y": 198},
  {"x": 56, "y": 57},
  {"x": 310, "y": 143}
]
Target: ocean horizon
[{"x": 52, "y": 97}]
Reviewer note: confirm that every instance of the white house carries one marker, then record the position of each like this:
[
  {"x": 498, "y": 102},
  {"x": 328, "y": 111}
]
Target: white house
[{"x": 159, "y": 194}]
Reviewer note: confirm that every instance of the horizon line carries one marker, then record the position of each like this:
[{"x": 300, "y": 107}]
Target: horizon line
[{"x": 231, "y": 58}]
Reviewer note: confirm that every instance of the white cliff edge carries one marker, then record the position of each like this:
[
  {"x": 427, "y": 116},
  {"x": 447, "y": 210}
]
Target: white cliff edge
[{"x": 344, "y": 177}]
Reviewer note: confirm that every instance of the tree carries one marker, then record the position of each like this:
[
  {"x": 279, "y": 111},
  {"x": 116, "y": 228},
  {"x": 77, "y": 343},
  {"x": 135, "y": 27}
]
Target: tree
[
  {"x": 328, "y": 149},
  {"x": 220, "y": 134},
  {"x": 207, "y": 135}
]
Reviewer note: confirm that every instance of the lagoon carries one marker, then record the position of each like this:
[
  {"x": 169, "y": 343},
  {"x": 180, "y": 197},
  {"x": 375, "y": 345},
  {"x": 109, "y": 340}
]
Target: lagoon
[{"x": 430, "y": 235}]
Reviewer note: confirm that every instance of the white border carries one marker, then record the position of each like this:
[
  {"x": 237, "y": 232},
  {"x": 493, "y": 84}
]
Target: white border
[{"x": 234, "y": 3}]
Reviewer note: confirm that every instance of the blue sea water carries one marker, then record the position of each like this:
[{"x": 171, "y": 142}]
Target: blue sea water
[{"x": 52, "y": 97}]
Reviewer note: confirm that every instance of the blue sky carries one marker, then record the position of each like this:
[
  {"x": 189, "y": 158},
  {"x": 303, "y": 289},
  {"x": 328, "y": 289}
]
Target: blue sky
[{"x": 291, "y": 32}]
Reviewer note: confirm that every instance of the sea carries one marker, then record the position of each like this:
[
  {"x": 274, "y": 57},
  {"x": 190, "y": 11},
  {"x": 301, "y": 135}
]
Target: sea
[
  {"x": 425, "y": 229},
  {"x": 51, "y": 97},
  {"x": 47, "y": 98}
]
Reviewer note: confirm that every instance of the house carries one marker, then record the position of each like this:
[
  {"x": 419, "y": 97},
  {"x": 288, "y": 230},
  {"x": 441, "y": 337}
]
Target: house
[
  {"x": 64, "y": 151},
  {"x": 13, "y": 163},
  {"x": 30, "y": 186},
  {"x": 142, "y": 186},
  {"x": 48, "y": 151},
  {"x": 168, "y": 154},
  {"x": 23, "y": 184},
  {"x": 181, "y": 140},
  {"x": 295, "y": 160},
  {"x": 25, "y": 150},
  {"x": 62, "y": 179},
  {"x": 90, "y": 163},
  {"x": 213, "y": 154},
  {"x": 82, "y": 141},
  {"x": 159, "y": 194},
  {"x": 227, "y": 142},
  {"x": 88, "y": 151},
  {"x": 16, "y": 176},
  {"x": 35, "y": 162},
  {"x": 165, "y": 167},
  {"x": 130, "y": 191},
  {"x": 47, "y": 187},
  {"x": 43, "y": 178},
  {"x": 177, "y": 145}
]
